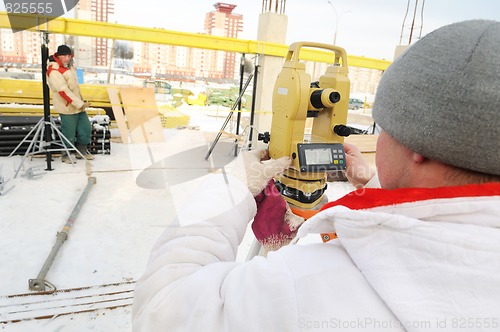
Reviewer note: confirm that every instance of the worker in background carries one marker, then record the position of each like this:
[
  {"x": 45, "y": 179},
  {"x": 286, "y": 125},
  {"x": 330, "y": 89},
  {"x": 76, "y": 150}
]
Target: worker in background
[
  {"x": 422, "y": 253},
  {"x": 68, "y": 102}
]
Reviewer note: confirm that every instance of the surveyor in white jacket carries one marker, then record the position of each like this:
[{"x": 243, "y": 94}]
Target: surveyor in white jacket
[{"x": 421, "y": 254}]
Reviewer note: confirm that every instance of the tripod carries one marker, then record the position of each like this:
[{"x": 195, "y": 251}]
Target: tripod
[
  {"x": 244, "y": 68},
  {"x": 42, "y": 140}
]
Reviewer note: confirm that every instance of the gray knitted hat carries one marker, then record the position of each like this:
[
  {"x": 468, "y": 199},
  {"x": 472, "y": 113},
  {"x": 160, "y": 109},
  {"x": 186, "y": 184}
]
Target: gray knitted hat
[{"x": 441, "y": 98}]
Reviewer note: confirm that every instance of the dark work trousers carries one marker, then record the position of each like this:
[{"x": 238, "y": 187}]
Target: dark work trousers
[{"x": 76, "y": 128}]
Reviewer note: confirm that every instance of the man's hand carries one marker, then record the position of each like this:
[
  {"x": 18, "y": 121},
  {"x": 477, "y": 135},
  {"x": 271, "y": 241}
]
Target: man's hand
[
  {"x": 255, "y": 169},
  {"x": 274, "y": 225},
  {"x": 86, "y": 105},
  {"x": 358, "y": 171}
]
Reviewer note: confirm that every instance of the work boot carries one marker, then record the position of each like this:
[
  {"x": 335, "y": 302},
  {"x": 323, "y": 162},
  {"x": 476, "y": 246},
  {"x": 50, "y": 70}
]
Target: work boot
[
  {"x": 65, "y": 158},
  {"x": 83, "y": 150}
]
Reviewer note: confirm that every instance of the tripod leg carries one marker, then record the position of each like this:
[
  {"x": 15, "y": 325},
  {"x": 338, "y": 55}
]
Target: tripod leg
[
  {"x": 37, "y": 129},
  {"x": 219, "y": 134},
  {"x": 255, "y": 250},
  {"x": 26, "y": 137},
  {"x": 228, "y": 117}
]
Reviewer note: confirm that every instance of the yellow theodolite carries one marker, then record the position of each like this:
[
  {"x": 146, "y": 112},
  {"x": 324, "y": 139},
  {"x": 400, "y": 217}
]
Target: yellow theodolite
[{"x": 295, "y": 99}]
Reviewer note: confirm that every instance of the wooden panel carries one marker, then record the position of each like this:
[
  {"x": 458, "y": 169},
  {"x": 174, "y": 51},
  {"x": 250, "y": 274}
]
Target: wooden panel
[
  {"x": 365, "y": 143},
  {"x": 142, "y": 115},
  {"x": 118, "y": 113}
]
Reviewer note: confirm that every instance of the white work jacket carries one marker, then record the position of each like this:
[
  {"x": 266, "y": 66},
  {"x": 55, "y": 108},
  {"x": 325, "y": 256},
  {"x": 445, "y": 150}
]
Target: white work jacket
[
  {"x": 63, "y": 83},
  {"x": 408, "y": 259}
]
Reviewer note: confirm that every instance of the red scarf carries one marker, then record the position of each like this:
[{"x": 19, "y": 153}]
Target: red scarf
[{"x": 366, "y": 198}]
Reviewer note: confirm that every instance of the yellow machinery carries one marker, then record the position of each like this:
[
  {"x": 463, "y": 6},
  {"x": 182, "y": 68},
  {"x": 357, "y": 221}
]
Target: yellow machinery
[{"x": 295, "y": 99}]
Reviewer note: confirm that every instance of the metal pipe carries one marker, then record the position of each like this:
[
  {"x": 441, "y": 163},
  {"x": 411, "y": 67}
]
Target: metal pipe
[
  {"x": 39, "y": 283},
  {"x": 238, "y": 116},
  {"x": 252, "y": 112},
  {"x": 46, "y": 98},
  {"x": 413, "y": 22}
]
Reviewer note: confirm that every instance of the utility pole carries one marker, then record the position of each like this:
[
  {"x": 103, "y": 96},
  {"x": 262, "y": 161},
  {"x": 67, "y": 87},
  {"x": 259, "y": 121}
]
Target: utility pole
[{"x": 337, "y": 18}]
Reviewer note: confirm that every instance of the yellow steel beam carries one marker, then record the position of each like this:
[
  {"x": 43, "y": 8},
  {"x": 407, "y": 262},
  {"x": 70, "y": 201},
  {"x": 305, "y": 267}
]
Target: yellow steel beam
[
  {"x": 74, "y": 27},
  {"x": 30, "y": 92},
  {"x": 38, "y": 110}
]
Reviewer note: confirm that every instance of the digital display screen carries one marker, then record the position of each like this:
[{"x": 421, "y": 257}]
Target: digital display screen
[{"x": 321, "y": 156}]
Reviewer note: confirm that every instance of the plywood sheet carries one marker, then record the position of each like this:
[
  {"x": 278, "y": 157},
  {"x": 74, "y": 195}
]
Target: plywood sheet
[
  {"x": 365, "y": 143},
  {"x": 118, "y": 113},
  {"x": 142, "y": 115}
]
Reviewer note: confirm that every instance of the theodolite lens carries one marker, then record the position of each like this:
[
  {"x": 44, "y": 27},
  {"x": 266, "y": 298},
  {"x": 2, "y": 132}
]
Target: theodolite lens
[
  {"x": 334, "y": 97},
  {"x": 322, "y": 98}
]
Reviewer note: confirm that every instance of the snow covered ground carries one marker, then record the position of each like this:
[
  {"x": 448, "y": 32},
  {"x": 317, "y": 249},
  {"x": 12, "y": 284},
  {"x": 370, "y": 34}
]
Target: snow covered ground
[{"x": 139, "y": 188}]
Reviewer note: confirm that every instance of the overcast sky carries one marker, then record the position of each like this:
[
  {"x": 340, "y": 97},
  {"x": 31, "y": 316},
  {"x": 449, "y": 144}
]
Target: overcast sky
[{"x": 370, "y": 28}]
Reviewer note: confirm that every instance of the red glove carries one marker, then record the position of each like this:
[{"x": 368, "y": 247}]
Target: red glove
[{"x": 274, "y": 225}]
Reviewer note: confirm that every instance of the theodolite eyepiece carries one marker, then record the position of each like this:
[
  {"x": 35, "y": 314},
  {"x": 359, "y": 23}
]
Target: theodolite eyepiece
[{"x": 321, "y": 98}]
